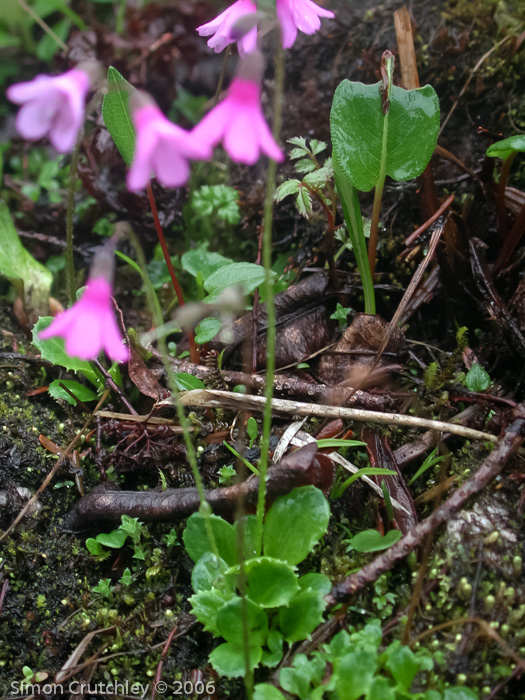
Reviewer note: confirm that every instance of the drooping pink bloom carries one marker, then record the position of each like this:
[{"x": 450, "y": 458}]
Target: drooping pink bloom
[
  {"x": 239, "y": 123},
  {"x": 302, "y": 15},
  {"x": 52, "y": 105},
  {"x": 90, "y": 326},
  {"x": 222, "y": 28},
  {"x": 161, "y": 148}
]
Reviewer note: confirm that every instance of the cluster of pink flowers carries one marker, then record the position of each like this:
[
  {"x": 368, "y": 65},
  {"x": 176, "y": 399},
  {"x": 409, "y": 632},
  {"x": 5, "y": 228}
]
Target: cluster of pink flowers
[{"x": 55, "y": 106}]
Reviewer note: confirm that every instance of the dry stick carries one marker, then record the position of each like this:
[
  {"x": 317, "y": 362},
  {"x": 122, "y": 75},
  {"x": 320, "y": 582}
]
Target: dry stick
[
  {"x": 194, "y": 352},
  {"x": 407, "y": 53},
  {"x": 53, "y": 471},
  {"x": 442, "y": 209},
  {"x": 467, "y": 82},
  {"x": 222, "y": 399},
  {"x": 490, "y": 468}
]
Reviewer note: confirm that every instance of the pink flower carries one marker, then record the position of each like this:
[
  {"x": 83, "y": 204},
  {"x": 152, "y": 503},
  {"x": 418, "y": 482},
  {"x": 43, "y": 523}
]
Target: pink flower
[
  {"x": 239, "y": 123},
  {"x": 302, "y": 15},
  {"x": 161, "y": 147},
  {"x": 90, "y": 325},
  {"x": 221, "y": 27},
  {"x": 52, "y": 105}
]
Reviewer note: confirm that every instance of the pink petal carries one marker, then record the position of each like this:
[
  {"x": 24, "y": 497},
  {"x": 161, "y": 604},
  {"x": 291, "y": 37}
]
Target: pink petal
[
  {"x": 171, "y": 169},
  {"x": 84, "y": 338},
  {"x": 211, "y": 128},
  {"x": 240, "y": 140},
  {"x": 30, "y": 90},
  {"x": 248, "y": 44},
  {"x": 267, "y": 142},
  {"x": 141, "y": 167},
  {"x": 35, "y": 118},
  {"x": 288, "y": 27},
  {"x": 113, "y": 345}
]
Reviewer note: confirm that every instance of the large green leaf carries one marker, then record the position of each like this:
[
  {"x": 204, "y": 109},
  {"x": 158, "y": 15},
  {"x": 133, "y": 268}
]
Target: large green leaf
[
  {"x": 228, "y": 659},
  {"x": 294, "y": 524},
  {"x": 354, "y": 674},
  {"x": 302, "y": 616},
  {"x": 31, "y": 280},
  {"x": 230, "y": 622},
  {"x": 117, "y": 114},
  {"x": 357, "y": 125},
  {"x": 81, "y": 392}
]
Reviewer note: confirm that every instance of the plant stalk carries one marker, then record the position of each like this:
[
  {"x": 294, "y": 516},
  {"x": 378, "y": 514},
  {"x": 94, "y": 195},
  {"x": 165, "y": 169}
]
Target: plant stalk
[
  {"x": 269, "y": 293},
  {"x": 70, "y": 212}
]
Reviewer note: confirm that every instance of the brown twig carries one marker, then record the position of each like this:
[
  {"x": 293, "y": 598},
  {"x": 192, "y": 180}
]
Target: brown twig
[
  {"x": 158, "y": 673},
  {"x": 490, "y": 468}
]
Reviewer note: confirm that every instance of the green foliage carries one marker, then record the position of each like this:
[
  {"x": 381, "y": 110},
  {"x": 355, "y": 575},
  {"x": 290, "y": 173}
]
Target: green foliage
[
  {"x": 317, "y": 178},
  {"x": 280, "y": 606},
  {"x": 506, "y": 147},
  {"x": 31, "y": 280},
  {"x": 341, "y": 314},
  {"x": 246, "y": 275},
  {"x": 372, "y": 541},
  {"x": 252, "y": 429},
  {"x": 227, "y": 474},
  {"x": 216, "y": 203},
  {"x": 187, "y": 382},
  {"x": 207, "y": 329},
  {"x": 353, "y": 666},
  {"x": 81, "y": 392},
  {"x": 129, "y": 528},
  {"x": 477, "y": 378},
  {"x": 117, "y": 114},
  {"x": 357, "y": 125}
]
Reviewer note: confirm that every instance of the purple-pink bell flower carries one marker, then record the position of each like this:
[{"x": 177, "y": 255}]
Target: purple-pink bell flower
[
  {"x": 90, "y": 326},
  {"x": 161, "y": 148},
  {"x": 52, "y": 106},
  {"x": 238, "y": 120},
  {"x": 222, "y": 28},
  {"x": 302, "y": 15}
]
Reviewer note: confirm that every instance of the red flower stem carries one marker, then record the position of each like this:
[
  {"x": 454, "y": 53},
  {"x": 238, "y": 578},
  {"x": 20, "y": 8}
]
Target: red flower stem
[{"x": 194, "y": 352}]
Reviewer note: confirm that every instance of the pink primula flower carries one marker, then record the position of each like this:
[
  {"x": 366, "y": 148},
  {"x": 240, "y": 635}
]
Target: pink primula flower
[
  {"x": 52, "y": 105},
  {"x": 162, "y": 148},
  {"x": 302, "y": 15},
  {"x": 90, "y": 325},
  {"x": 239, "y": 123},
  {"x": 223, "y": 28}
]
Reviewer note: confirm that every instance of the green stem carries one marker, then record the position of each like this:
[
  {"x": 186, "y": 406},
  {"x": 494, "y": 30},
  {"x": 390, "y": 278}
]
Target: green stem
[
  {"x": 269, "y": 293},
  {"x": 121, "y": 13},
  {"x": 376, "y": 209},
  {"x": 70, "y": 261},
  {"x": 205, "y": 509},
  {"x": 354, "y": 224}
]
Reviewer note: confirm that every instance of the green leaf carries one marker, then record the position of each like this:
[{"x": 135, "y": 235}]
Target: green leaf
[
  {"x": 249, "y": 524},
  {"x": 459, "y": 693},
  {"x": 265, "y": 691},
  {"x": 271, "y": 583},
  {"x": 506, "y": 147},
  {"x": 230, "y": 625},
  {"x": 196, "y": 541},
  {"x": 315, "y": 582},
  {"x": 247, "y": 275},
  {"x": 305, "y": 165},
  {"x": 82, "y": 393},
  {"x": 339, "y": 442},
  {"x": 382, "y": 689},
  {"x": 228, "y": 659},
  {"x": 252, "y": 429},
  {"x": 53, "y": 351},
  {"x": 207, "y": 330},
  {"x": 187, "y": 382},
  {"x": 219, "y": 201},
  {"x": 357, "y": 124},
  {"x": 304, "y": 203},
  {"x": 305, "y": 672},
  {"x": 209, "y": 573},
  {"x": 372, "y": 541},
  {"x": 117, "y": 114},
  {"x": 354, "y": 674},
  {"x": 206, "y": 605},
  {"x": 294, "y": 524},
  {"x": 114, "y": 540},
  {"x": 403, "y": 664},
  {"x": 201, "y": 260},
  {"x": 477, "y": 378},
  {"x": 287, "y": 188},
  {"x": 31, "y": 280},
  {"x": 94, "y": 547},
  {"x": 365, "y": 471},
  {"x": 302, "y": 615}
]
